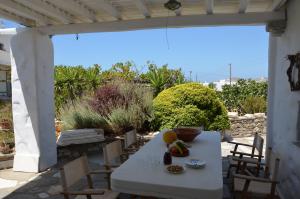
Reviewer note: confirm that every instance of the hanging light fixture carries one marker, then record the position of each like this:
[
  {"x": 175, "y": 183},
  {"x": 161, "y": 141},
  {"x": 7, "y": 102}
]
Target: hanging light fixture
[{"x": 172, "y": 5}]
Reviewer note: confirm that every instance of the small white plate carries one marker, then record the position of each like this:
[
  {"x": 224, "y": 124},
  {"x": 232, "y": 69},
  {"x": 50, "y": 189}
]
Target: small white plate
[{"x": 195, "y": 163}]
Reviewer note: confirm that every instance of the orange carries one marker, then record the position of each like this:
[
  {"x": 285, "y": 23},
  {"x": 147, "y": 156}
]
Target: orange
[{"x": 169, "y": 137}]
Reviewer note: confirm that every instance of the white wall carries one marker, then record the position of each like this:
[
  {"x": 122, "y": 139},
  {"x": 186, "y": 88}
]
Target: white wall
[
  {"x": 283, "y": 105},
  {"x": 33, "y": 101}
]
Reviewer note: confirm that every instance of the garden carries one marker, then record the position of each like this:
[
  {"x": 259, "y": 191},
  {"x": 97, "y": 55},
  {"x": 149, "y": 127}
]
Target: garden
[{"x": 123, "y": 98}]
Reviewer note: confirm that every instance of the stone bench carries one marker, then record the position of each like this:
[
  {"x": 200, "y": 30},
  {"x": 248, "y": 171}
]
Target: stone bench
[
  {"x": 80, "y": 136},
  {"x": 73, "y": 143}
]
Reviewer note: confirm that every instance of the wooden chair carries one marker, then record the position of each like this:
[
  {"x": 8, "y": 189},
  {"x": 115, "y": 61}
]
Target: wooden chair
[
  {"x": 73, "y": 172},
  {"x": 263, "y": 184},
  {"x": 131, "y": 142},
  {"x": 113, "y": 157},
  {"x": 255, "y": 156}
]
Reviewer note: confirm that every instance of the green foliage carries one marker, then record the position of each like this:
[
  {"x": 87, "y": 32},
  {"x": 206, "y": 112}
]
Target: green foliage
[
  {"x": 212, "y": 85},
  {"x": 72, "y": 82},
  {"x": 132, "y": 105},
  {"x": 127, "y": 105},
  {"x": 254, "y": 104},
  {"x": 161, "y": 78},
  {"x": 119, "y": 120},
  {"x": 123, "y": 71},
  {"x": 6, "y": 113},
  {"x": 190, "y": 104},
  {"x": 79, "y": 115},
  {"x": 235, "y": 94},
  {"x": 7, "y": 137}
]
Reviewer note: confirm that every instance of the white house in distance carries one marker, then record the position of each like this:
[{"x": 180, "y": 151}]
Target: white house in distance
[
  {"x": 219, "y": 84},
  {"x": 32, "y": 61},
  {"x": 5, "y": 74}
]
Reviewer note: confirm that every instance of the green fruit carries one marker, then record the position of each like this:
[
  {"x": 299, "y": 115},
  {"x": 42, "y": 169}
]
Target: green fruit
[
  {"x": 181, "y": 145},
  {"x": 179, "y": 149}
]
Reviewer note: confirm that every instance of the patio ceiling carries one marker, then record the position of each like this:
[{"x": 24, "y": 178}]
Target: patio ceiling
[{"x": 71, "y": 16}]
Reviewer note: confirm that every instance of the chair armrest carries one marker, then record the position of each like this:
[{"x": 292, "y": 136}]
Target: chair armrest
[
  {"x": 253, "y": 178},
  {"x": 112, "y": 165},
  {"x": 247, "y": 154},
  {"x": 85, "y": 192},
  {"x": 101, "y": 171},
  {"x": 247, "y": 160},
  {"x": 238, "y": 143}
]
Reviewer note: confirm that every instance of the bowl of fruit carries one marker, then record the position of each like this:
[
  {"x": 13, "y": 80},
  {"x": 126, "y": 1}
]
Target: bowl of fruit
[
  {"x": 187, "y": 134},
  {"x": 179, "y": 149}
]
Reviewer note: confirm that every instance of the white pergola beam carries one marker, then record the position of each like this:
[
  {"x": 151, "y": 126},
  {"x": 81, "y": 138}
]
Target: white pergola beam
[
  {"x": 47, "y": 9},
  {"x": 277, "y": 4},
  {"x": 76, "y": 8},
  {"x": 140, "y": 4},
  {"x": 178, "y": 11},
  {"x": 243, "y": 6},
  {"x": 26, "y": 12},
  {"x": 159, "y": 22},
  {"x": 209, "y": 4},
  {"x": 18, "y": 19},
  {"x": 109, "y": 8}
]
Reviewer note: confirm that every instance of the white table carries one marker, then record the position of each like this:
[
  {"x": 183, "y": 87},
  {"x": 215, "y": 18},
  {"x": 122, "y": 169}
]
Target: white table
[{"x": 144, "y": 173}]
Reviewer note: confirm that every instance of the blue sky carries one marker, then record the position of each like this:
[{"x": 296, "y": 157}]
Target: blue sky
[{"x": 206, "y": 52}]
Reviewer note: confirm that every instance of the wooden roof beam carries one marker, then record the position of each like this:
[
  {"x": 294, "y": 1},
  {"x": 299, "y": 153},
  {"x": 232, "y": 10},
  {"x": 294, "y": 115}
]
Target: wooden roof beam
[
  {"x": 75, "y": 7},
  {"x": 140, "y": 4},
  {"x": 109, "y": 8},
  {"x": 47, "y": 9},
  {"x": 18, "y": 19},
  {"x": 209, "y": 4},
  {"x": 243, "y": 6},
  {"x": 24, "y": 11}
]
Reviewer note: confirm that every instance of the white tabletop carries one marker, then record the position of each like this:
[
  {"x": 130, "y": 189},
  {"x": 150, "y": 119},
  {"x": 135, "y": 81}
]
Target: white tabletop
[{"x": 144, "y": 173}]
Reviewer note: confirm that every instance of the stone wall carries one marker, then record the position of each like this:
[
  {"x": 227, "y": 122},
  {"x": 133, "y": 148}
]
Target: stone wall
[{"x": 247, "y": 125}]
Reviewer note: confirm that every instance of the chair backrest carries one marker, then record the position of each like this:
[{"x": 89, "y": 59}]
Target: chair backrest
[
  {"x": 73, "y": 171},
  {"x": 130, "y": 138},
  {"x": 272, "y": 164},
  {"x": 112, "y": 153},
  {"x": 258, "y": 144}
]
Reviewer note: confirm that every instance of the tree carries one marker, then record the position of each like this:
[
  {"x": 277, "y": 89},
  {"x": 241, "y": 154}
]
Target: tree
[
  {"x": 233, "y": 95},
  {"x": 70, "y": 83},
  {"x": 161, "y": 78},
  {"x": 120, "y": 70}
]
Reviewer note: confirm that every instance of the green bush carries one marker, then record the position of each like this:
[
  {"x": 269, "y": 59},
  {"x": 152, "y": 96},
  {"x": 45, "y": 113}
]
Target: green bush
[
  {"x": 254, "y": 104},
  {"x": 190, "y": 104},
  {"x": 79, "y": 115},
  {"x": 162, "y": 77},
  {"x": 6, "y": 113},
  {"x": 233, "y": 95},
  {"x": 120, "y": 121},
  {"x": 132, "y": 105},
  {"x": 71, "y": 83}
]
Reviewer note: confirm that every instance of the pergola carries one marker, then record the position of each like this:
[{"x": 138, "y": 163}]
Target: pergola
[{"x": 32, "y": 59}]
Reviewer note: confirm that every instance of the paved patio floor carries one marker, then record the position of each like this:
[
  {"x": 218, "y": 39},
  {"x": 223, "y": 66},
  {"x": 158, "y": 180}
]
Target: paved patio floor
[{"x": 18, "y": 185}]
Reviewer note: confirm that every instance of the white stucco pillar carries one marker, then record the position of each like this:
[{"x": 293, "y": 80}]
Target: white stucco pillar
[
  {"x": 271, "y": 89},
  {"x": 33, "y": 101}
]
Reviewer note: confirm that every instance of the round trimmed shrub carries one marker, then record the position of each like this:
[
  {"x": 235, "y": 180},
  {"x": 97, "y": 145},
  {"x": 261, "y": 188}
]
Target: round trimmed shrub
[{"x": 190, "y": 104}]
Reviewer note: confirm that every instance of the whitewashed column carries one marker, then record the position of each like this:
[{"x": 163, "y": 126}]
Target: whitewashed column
[{"x": 33, "y": 101}]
